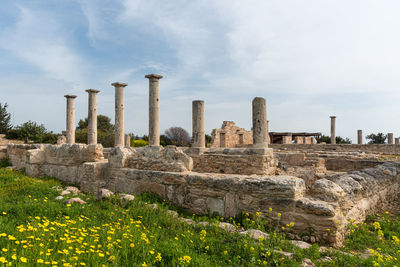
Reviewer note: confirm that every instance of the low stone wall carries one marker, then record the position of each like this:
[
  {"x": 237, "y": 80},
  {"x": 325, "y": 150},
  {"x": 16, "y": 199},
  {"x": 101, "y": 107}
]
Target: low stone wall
[
  {"x": 64, "y": 162},
  {"x": 247, "y": 161},
  {"x": 381, "y": 148},
  {"x": 3, "y": 152},
  {"x": 322, "y": 209}
]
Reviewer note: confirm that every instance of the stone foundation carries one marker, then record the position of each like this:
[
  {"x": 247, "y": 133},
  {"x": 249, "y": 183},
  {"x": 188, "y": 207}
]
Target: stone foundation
[{"x": 319, "y": 202}]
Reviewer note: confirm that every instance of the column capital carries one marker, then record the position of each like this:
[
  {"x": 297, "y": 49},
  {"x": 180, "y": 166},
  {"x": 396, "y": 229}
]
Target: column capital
[
  {"x": 332, "y": 117},
  {"x": 154, "y": 76},
  {"x": 119, "y": 84},
  {"x": 92, "y": 91},
  {"x": 70, "y": 96},
  {"x": 198, "y": 101}
]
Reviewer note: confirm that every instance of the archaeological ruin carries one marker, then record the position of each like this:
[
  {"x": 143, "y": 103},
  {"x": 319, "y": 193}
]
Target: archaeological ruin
[{"x": 319, "y": 187}]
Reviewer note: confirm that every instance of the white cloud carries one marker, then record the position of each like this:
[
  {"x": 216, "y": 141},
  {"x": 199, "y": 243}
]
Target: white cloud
[{"x": 40, "y": 40}]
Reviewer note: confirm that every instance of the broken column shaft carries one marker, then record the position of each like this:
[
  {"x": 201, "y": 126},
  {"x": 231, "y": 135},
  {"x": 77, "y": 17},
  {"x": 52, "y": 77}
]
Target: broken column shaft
[
  {"x": 260, "y": 128},
  {"x": 119, "y": 113},
  {"x": 154, "y": 109},
  {"x": 92, "y": 116},
  {"x": 333, "y": 130},
  {"x": 198, "y": 129},
  {"x": 359, "y": 137},
  {"x": 70, "y": 119},
  {"x": 390, "y": 138}
]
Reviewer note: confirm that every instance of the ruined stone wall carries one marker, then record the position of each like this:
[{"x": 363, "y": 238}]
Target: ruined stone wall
[
  {"x": 246, "y": 161},
  {"x": 327, "y": 203},
  {"x": 5, "y": 142},
  {"x": 65, "y": 162},
  {"x": 232, "y": 136},
  {"x": 381, "y": 148}
]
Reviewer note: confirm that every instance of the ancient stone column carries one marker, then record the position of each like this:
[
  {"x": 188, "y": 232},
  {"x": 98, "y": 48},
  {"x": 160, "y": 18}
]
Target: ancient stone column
[
  {"x": 70, "y": 118},
  {"x": 154, "y": 109},
  {"x": 119, "y": 114},
  {"x": 397, "y": 141},
  {"x": 92, "y": 117},
  {"x": 360, "y": 137},
  {"x": 333, "y": 130},
  {"x": 260, "y": 128},
  {"x": 127, "y": 140},
  {"x": 198, "y": 129},
  {"x": 390, "y": 138}
]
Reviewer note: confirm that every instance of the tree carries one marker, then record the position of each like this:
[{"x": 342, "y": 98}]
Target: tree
[
  {"x": 379, "y": 138},
  {"x": 339, "y": 140},
  {"x": 178, "y": 136},
  {"x": 105, "y": 131},
  {"x": 5, "y": 118},
  {"x": 103, "y": 123},
  {"x": 32, "y": 131}
]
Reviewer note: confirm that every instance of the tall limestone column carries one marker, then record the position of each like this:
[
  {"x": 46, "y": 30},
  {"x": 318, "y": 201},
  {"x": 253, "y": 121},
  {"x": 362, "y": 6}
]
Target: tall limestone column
[
  {"x": 119, "y": 114},
  {"x": 390, "y": 138},
  {"x": 198, "y": 129},
  {"x": 92, "y": 117},
  {"x": 70, "y": 119},
  {"x": 154, "y": 109},
  {"x": 359, "y": 137},
  {"x": 333, "y": 130},
  {"x": 260, "y": 128}
]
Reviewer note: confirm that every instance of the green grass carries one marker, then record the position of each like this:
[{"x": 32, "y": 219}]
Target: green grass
[{"x": 37, "y": 230}]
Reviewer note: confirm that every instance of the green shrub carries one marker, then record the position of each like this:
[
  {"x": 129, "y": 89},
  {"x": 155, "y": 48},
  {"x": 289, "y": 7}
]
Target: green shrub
[
  {"x": 139, "y": 143},
  {"x": 5, "y": 162}
]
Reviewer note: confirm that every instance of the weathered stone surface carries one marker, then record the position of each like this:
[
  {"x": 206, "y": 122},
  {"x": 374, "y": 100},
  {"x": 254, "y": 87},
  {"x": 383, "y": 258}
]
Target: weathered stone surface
[
  {"x": 155, "y": 158},
  {"x": 249, "y": 161},
  {"x": 61, "y": 140},
  {"x": 188, "y": 221},
  {"x": 307, "y": 263},
  {"x": 301, "y": 244},
  {"x": 284, "y": 253},
  {"x": 227, "y": 227},
  {"x": 72, "y": 189},
  {"x": 255, "y": 234},
  {"x": 59, "y": 198},
  {"x": 104, "y": 193},
  {"x": 65, "y": 192},
  {"x": 326, "y": 190},
  {"x": 172, "y": 213},
  {"x": 76, "y": 200},
  {"x": 126, "y": 198}
]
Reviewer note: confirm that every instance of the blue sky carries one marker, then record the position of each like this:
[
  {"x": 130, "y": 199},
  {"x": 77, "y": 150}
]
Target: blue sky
[{"x": 309, "y": 59}]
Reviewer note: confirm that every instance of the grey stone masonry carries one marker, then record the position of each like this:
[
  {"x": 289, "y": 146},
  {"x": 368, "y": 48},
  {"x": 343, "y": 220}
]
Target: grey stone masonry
[
  {"x": 260, "y": 128},
  {"x": 119, "y": 113},
  {"x": 92, "y": 116},
  {"x": 154, "y": 109},
  {"x": 70, "y": 118},
  {"x": 359, "y": 137},
  {"x": 198, "y": 129},
  {"x": 333, "y": 130},
  {"x": 397, "y": 141},
  {"x": 390, "y": 138}
]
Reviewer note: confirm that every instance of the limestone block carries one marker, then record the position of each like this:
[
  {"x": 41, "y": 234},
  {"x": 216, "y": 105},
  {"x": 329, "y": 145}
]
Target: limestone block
[
  {"x": 326, "y": 190},
  {"x": 215, "y": 205},
  {"x": 315, "y": 207},
  {"x": 157, "y": 158}
]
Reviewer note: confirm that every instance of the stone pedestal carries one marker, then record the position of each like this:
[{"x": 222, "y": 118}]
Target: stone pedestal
[
  {"x": 127, "y": 140},
  {"x": 260, "y": 128},
  {"x": 70, "y": 131},
  {"x": 397, "y": 141},
  {"x": 154, "y": 109},
  {"x": 390, "y": 138},
  {"x": 333, "y": 130},
  {"x": 119, "y": 113},
  {"x": 359, "y": 137},
  {"x": 92, "y": 116},
  {"x": 198, "y": 128}
]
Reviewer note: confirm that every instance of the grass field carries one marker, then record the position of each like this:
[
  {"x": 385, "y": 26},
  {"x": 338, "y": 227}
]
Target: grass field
[{"x": 36, "y": 230}]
